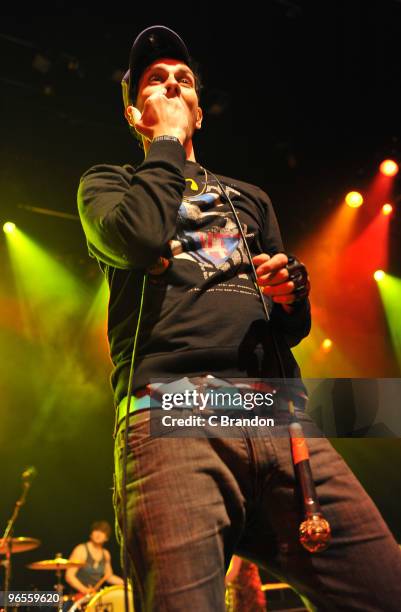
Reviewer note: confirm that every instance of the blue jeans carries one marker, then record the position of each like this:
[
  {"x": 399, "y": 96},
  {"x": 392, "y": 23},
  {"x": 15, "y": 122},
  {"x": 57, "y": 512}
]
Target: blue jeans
[{"x": 195, "y": 501}]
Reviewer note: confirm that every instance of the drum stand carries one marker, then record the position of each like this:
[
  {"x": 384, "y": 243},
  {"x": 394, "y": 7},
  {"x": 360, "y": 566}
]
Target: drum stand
[
  {"x": 7, "y": 537},
  {"x": 59, "y": 587}
]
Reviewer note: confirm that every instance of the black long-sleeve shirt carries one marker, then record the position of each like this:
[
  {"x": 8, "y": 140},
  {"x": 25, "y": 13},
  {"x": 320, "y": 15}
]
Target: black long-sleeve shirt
[{"x": 201, "y": 311}]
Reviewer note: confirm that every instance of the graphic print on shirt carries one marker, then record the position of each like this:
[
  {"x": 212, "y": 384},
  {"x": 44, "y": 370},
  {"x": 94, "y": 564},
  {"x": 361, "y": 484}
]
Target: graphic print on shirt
[{"x": 208, "y": 235}]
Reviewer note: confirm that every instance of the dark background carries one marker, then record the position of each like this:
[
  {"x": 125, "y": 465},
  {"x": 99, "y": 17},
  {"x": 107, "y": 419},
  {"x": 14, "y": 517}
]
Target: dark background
[{"x": 300, "y": 98}]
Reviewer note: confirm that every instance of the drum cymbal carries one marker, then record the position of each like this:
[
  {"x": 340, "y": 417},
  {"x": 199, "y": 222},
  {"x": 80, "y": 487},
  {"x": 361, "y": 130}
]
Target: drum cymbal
[
  {"x": 55, "y": 564},
  {"x": 18, "y": 545}
]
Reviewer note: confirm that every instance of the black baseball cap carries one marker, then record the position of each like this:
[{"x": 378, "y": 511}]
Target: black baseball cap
[{"x": 154, "y": 42}]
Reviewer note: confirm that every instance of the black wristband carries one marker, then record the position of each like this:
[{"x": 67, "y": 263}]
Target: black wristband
[{"x": 166, "y": 137}]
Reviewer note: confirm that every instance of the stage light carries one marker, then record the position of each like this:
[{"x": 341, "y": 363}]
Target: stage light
[
  {"x": 327, "y": 345},
  {"x": 390, "y": 293},
  {"x": 354, "y": 199},
  {"x": 387, "y": 209},
  {"x": 389, "y": 167},
  {"x": 44, "y": 284},
  {"x": 9, "y": 227},
  {"x": 379, "y": 275}
]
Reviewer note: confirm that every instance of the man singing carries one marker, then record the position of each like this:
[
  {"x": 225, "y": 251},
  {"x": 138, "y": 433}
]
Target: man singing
[{"x": 174, "y": 254}]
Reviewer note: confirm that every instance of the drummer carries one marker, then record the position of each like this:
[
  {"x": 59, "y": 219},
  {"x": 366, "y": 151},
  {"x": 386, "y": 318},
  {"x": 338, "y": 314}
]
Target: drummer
[{"x": 97, "y": 559}]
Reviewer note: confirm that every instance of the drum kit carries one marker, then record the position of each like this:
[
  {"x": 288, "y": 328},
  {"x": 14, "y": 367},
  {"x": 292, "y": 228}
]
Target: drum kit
[{"x": 110, "y": 598}]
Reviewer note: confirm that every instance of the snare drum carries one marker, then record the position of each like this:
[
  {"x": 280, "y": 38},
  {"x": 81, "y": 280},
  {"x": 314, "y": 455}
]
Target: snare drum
[{"x": 110, "y": 599}]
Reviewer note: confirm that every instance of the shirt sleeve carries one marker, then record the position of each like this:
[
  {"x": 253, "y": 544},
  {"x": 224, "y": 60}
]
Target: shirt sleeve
[
  {"x": 129, "y": 216},
  {"x": 295, "y": 325}
]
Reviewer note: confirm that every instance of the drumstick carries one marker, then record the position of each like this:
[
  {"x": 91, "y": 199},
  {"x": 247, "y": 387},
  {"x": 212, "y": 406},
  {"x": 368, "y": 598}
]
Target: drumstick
[{"x": 99, "y": 583}]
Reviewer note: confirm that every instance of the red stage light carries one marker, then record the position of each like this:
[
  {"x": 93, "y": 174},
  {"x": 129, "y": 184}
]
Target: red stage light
[{"x": 389, "y": 167}]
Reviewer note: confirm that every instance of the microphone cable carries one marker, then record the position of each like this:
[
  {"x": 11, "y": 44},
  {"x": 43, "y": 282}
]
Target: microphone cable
[{"x": 124, "y": 500}]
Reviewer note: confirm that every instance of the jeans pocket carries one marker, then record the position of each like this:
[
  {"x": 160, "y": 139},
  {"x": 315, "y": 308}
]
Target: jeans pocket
[{"x": 139, "y": 437}]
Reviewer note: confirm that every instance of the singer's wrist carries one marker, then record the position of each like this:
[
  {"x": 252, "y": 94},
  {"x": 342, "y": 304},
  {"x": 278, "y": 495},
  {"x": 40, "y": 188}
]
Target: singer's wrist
[{"x": 177, "y": 136}]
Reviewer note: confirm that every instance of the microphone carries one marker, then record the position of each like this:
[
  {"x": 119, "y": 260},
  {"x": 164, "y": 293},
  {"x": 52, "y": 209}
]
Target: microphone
[
  {"x": 314, "y": 531},
  {"x": 29, "y": 474}
]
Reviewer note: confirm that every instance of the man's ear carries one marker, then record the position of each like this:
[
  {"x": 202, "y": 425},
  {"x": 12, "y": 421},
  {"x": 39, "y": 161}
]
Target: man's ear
[
  {"x": 199, "y": 118},
  {"x": 131, "y": 116}
]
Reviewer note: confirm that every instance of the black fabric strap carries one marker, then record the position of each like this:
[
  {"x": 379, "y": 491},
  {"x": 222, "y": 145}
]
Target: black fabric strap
[{"x": 299, "y": 276}]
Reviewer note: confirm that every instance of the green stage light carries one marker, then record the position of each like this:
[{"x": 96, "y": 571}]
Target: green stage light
[
  {"x": 390, "y": 293},
  {"x": 9, "y": 227},
  {"x": 49, "y": 294}
]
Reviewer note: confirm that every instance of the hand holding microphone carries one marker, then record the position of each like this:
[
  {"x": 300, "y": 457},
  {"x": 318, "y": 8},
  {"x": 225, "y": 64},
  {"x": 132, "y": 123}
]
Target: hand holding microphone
[{"x": 283, "y": 277}]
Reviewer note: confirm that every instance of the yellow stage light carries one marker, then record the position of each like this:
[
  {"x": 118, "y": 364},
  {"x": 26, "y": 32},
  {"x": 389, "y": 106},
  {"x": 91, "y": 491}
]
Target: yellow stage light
[
  {"x": 387, "y": 209},
  {"x": 327, "y": 345},
  {"x": 389, "y": 167},
  {"x": 9, "y": 227},
  {"x": 354, "y": 199}
]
